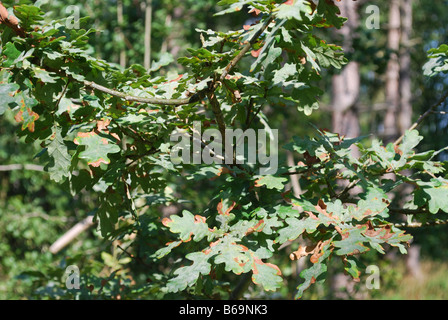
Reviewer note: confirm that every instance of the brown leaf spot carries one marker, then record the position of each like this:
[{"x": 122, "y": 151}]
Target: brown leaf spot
[
  {"x": 388, "y": 233},
  {"x": 255, "y": 228},
  {"x": 102, "y": 124},
  {"x": 98, "y": 162},
  {"x": 83, "y": 135},
  {"x": 240, "y": 263},
  {"x": 302, "y": 251},
  {"x": 18, "y": 117},
  {"x": 397, "y": 150},
  {"x": 13, "y": 20},
  {"x": 273, "y": 266},
  {"x": 315, "y": 257},
  {"x": 311, "y": 215},
  {"x": 255, "y": 10},
  {"x": 227, "y": 212},
  {"x": 199, "y": 219},
  {"x": 166, "y": 221},
  {"x": 256, "y": 53},
  {"x": 215, "y": 243},
  {"x": 177, "y": 79}
]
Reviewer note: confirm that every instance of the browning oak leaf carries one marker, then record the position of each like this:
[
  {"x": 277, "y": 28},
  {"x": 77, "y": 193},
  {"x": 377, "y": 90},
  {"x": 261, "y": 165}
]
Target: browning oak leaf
[
  {"x": 316, "y": 273},
  {"x": 98, "y": 146},
  {"x": 26, "y": 115},
  {"x": 234, "y": 256},
  {"x": 267, "y": 275},
  {"x": 352, "y": 242},
  {"x": 187, "y": 226},
  {"x": 7, "y": 95}
]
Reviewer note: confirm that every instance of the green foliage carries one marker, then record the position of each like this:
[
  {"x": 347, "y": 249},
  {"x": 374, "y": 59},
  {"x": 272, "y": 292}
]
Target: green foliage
[
  {"x": 438, "y": 61},
  {"x": 116, "y": 145}
]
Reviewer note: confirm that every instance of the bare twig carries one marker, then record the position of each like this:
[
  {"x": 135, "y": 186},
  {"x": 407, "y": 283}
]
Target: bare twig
[
  {"x": 421, "y": 224},
  {"x": 71, "y": 234},
  {"x": 30, "y": 167},
  {"x": 216, "y": 108},
  {"x": 423, "y": 117},
  {"x": 159, "y": 101}
]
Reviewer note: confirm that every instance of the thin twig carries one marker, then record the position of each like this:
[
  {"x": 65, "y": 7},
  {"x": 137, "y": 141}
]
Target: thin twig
[
  {"x": 30, "y": 167},
  {"x": 133, "y": 257},
  {"x": 71, "y": 234},
  {"x": 159, "y": 101},
  {"x": 423, "y": 117},
  {"x": 216, "y": 108},
  {"x": 62, "y": 94},
  {"x": 245, "y": 49},
  {"x": 421, "y": 224}
]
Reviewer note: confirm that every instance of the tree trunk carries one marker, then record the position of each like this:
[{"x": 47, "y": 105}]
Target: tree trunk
[
  {"x": 405, "y": 114},
  {"x": 344, "y": 104},
  {"x": 405, "y": 118},
  {"x": 148, "y": 22},
  {"x": 120, "y": 20},
  {"x": 393, "y": 74},
  {"x": 346, "y": 85}
]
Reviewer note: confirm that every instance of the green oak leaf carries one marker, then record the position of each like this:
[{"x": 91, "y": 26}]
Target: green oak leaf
[
  {"x": 235, "y": 257},
  {"x": 295, "y": 227},
  {"x": 61, "y": 159},
  {"x": 267, "y": 275},
  {"x": 187, "y": 226},
  {"x": 44, "y": 76},
  {"x": 107, "y": 214},
  {"x": 435, "y": 194},
  {"x": 316, "y": 273},
  {"x": 294, "y": 11},
  {"x": 373, "y": 202},
  {"x": 11, "y": 53},
  {"x": 166, "y": 250},
  {"x": 188, "y": 276},
  {"x": 411, "y": 139},
  {"x": 26, "y": 115},
  {"x": 352, "y": 242},
  {"x": 352, "y": 267},
  {"x": 282, "y": 75},
  {"x": 271, "y": 182},
  {"x": 6, "y": 95}
]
